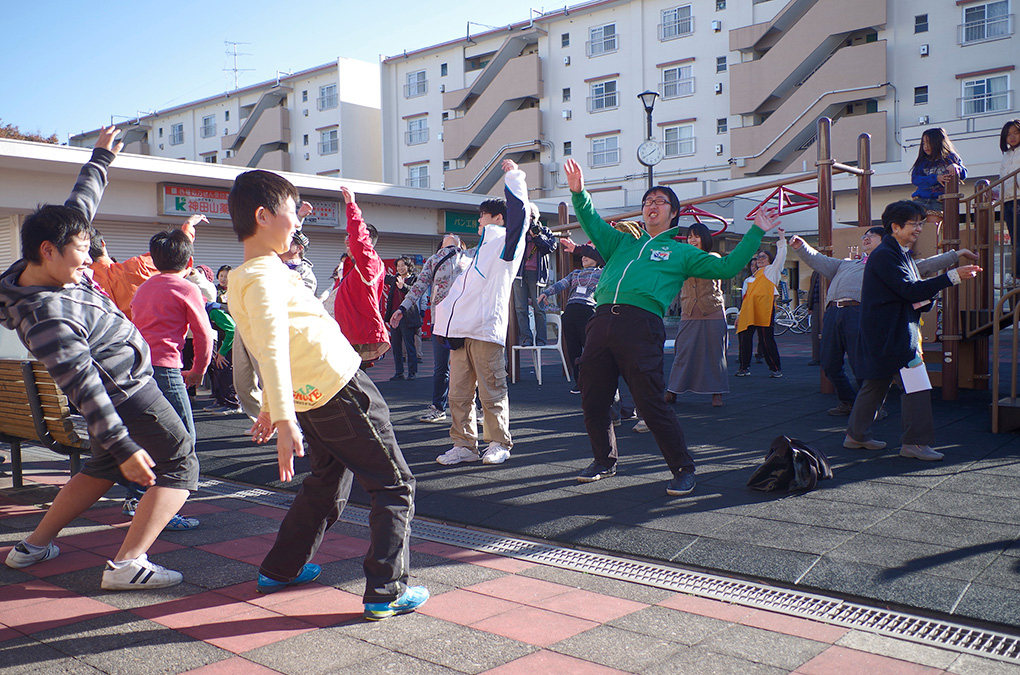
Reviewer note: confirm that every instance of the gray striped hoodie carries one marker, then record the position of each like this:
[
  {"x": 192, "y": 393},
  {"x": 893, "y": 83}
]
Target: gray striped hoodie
[{"x": 92, "y": 351}]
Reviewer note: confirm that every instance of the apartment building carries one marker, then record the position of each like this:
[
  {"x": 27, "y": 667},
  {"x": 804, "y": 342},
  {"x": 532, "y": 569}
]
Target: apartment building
[
  {"x": 740, "y": 86},
  {"x": 323, "y": 121}
]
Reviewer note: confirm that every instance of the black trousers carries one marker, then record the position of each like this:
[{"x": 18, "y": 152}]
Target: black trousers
[
  {"x": 350, "y": 437},
  {"x": 626, "y": 340},
  {"x": 766, "y": 343},
  {"x": 575, "y": 320}
]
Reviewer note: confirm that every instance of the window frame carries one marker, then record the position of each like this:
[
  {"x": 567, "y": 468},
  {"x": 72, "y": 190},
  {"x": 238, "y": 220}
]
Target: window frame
[
  {"x": 680, "y": 83},
  {"x": 417, "y": 132},
  {"x": 986, "y": 96},
  {"x": 600, "y": 99},
  {"x": 329, "y": 141},
  {"x": 177, "y": 133},
  {"x": 328, "y": 97},
  {"x": 418, "y": 176},
  {"x": 1001, "y": 24},
  {"x": 678, "y": 26},
  {"x": 610, "y": 155},
  {"x": 919, "y": 94},
  {"x": 678, "y": 143},
  {"x": 418, "y": 86},
  {"x": 208, "y": 128},
  {"x": 608, "y": 44}
]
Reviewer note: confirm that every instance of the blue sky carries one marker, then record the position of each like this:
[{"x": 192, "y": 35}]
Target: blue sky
[{"x": 68, "y": 65}]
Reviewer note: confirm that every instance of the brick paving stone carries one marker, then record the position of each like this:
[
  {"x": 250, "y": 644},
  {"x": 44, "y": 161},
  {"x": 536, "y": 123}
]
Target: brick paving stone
[
  {"x": 791, "y": 625},
  {"x": 314, "y": 653},
  {"x": 592, "y": 606},
  {"x": 534, "y": 626},
  {"x": 465, "y": 607},
  {"x": 544, "y": 661},
  {"x": 762, "y": 646},
  {"x": 618, "y": 648},
  {"x": 717, "y": 609},
  {"x": 519, "y": 589},
  {"x": 41, "y": 616},
  {"x": 669, "y": 624},
  {"x": 238, "y": 549},
  {"x": 839, "y": 661},
  {"x": 250, "y": 629}
]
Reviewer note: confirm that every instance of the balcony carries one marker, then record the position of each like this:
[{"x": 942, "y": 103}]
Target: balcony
[
  {"x": 985, "y": 104},
  {"x": 604, "y": 102},
  {"x": 416, "y": 89},
  {"x": 606, "y": 45},
  {"x": 676, "y": 29},
  {"x": 327, "y": 102},
  {"x": 330, "y": 147},
  {"x": 677, "y": 88},
  {"x": 985, "y": 30},
  {"x": 416, "y": 136}
]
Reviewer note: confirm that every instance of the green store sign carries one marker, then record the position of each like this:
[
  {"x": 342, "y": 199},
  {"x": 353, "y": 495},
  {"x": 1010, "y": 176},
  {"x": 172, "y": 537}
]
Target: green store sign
[{"x": 457, "y": 222}]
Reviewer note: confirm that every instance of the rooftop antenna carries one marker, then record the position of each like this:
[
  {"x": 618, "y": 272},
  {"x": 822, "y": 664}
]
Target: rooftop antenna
[
  {"x": 232, "y": 51},
  {"x": 280, "y": 73},
  {"x": 474, "y": 23}
]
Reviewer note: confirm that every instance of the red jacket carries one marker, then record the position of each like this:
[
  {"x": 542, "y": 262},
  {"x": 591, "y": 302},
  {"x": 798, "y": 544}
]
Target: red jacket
[{"x": 359, "y": 295}]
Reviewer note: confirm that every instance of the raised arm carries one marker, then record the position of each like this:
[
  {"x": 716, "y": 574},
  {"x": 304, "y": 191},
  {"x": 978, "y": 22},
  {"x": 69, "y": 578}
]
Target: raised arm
[
  {"x": 822, "y": 264},
  {"x": 93, "y": 178}
]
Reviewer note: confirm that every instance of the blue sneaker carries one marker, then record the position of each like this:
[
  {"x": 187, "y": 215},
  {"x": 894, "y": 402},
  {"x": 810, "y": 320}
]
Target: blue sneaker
[
  {"x": 413, "y": 598},
  {"x": 179, "y": 523},
  {"x": 310, "y": 572}
]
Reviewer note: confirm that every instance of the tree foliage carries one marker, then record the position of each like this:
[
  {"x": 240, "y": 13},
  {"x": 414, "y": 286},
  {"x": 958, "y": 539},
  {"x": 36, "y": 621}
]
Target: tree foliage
[{"x": 11, "y": 131}]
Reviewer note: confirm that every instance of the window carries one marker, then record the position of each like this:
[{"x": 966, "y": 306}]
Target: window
[
  {"x": 564, "y": 39},
  {"x": 209, "y": 159},
  {"x": 304, "y": 96},
  {"x": 226, "y": 115},
  {"x": 416, "y": 85},
  {"x": 418, "y": 176},
  {"x": 444, "y": 70},
  {"x": 208, "y": 126},
  {"x": 304, "y": 140},
  {"x": 921, "y": 23},
  {"x": 603, "y": 96},
  {"x": 676, "y": 22},
  {"x": 176, "y": 134},
  {"x": 720, "y": 5},
  {"x": 720, "y": 64},
  {"x": 327, "y": 97},
  {"x": 446, "y": 165},
  {"x": 678, "y": 81},
  {"x": 602, "y": 40},
  {"x": 988, "y": 21},
  {"x": 568, "y": 149},
  {"x": 679, "y": 140},
  {"x": 446, "y": 115},
  {"x": 566, "y": 94},
  {"x": 328, "y": 142},
  {"x": 986, "y": 95},
  {"x": 920, "y": 95},
  {"x": 722, "y": 125},
  {"x": 417, "y": 131},
  {"x": 605, "y": 151},
  {"x": 161, "y": 132}
]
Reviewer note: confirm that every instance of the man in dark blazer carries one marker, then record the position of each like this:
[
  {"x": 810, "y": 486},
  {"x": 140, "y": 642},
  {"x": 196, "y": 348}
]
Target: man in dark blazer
[{"x": 893, "y": 297}]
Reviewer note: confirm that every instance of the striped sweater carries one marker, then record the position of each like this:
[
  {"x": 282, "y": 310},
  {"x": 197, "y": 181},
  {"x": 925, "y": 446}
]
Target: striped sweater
[{"x": 92, "y": 351}]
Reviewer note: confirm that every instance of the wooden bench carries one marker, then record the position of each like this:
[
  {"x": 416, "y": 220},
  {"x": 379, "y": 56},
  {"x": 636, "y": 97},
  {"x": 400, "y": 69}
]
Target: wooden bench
[{"x": 34, "y": 410}]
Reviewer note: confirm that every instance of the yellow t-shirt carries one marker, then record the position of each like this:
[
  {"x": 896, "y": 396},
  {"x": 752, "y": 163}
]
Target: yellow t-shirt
[{"x": 304, "y": 359}]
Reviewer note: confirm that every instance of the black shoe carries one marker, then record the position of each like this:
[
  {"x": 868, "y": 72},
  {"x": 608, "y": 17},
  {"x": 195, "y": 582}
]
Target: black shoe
[
  {"x": 411, "y": 376},
  {"x": 594, "y": 472},
  {"x": 398, "y": 376},
  {"x": 682, "y": 484}
]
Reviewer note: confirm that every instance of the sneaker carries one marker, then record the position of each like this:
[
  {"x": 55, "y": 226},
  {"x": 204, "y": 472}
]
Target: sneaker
[
  {"x": 682, "y": 484},
  {"x": 870, "y": 444},
  {"x": 920, "y": 452},
  {"x": 641, "y": 427},
  {"x": 433, "y": 415},
  {"x": 743, "y": 372},
  {"x": 594, "y": 472},
  {"x": 575, "y": 390},
  {"x": 179, "y": 523},
  {"x": 130, "y": 505},
  {"x": 628, "y": 414},
  {"x": 617, "y": 422},
  {"x": 310, "y": 572},
  {"x": 413, "y": 598},
  {"x": 496, "y": 453},
  {"x": 398, "y": 376},
  {"x": 842, "y": 410},
  {"x": 456, "y": 455},
  {"x": 20, "y": 556},
  {"x": 776, "y": 374},
  {"x": 138, "y": 574}
]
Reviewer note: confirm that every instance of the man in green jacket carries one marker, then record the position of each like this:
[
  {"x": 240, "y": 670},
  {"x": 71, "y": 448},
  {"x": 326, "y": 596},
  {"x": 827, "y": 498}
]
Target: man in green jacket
[{"x": 644, "y": 271}]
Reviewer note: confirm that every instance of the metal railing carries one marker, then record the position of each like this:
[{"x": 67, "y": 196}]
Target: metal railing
[
  {"x": 608, "y": 101},
  {"x": 983, "y": 104},
  {"x": 327, "y": 102},
  {"x": 677, "y": 88},
  {"x": 416, "y": 136},
  {"x": 607, "y": 45},
  {"x": 418, "y": 182},
  {"x": 599, "y": 158},
  {"x": 983, "y": 30},
  {"x": 415, "y": 89},
  {"x": 330, "y": 147},
  {"x": 672, "y": 30},
  {"x": 176, "y": 137},
  {"x": 208, "y": 130}
]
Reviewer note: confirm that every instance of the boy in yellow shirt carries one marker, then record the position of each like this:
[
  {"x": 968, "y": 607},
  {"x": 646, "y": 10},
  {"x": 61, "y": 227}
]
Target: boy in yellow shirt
[{"x": 311, "y": 377}]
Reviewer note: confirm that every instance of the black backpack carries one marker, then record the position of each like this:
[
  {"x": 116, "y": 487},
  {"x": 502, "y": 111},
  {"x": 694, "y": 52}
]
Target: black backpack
[{"x": 790, "y": 465}]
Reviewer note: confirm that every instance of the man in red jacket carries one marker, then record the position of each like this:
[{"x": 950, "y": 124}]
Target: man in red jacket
[{"x": 359, "y": 294}]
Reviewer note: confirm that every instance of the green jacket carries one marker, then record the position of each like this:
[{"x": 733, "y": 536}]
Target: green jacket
[{"x": 648, "y": 272}]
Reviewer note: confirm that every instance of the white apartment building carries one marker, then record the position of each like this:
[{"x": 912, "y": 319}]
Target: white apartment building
[
  {"x": 323, "y": 121},
  {"x": 741, "y": 84}
]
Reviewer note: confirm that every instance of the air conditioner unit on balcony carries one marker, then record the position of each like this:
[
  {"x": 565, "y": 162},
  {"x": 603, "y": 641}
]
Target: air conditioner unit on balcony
[
  {"x": 566, "y": 114},
  {"x": 717, "y": 26},
  {"x": 718, "y": 87},
  {"x": 566, "y": 60}
]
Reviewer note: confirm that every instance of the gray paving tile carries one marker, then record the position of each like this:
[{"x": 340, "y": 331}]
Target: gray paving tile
[
  {"x": 394, "y": 633},
  {"x": 303, "y": 654},
  {"x": 466, "y": 649},
  {"x": 801, "y": 538},
  {"x": 166, "y": 652},
  {"x": 432, "y": 569},
  {"x": 397, "y": 664},
  {"x": 983, "y": 483},
  {"x": 965, "y": 664},
  {"x": 977, "y": 507},
  {"x": 746, "y": 559},
  {"x": 898, "y": 649},
  {"x": 633, "y": 541},
  {"x": 86, "y": 582},
  {"x": 990, "y": 603},
  {"x": 605, "y": 645},
  {"x": 205, "y": 569},
  {"x": 888, "y": 495},
  {"x": 682, "y": 516},
  {"x": 102, "y": 634},
  {"x": 596, "y": 584},
  {"x": 704, "y": 662},
  {"x": 808, "y": 511},
  {"x": 669, "y": 624},
  {"x": 25, "y": 656},
  {"x": 906, "y": 557},
  {"x": 943, "y": 530},
  {"x": 12, "y": 576},
  {"x": 762, "y": 646}
]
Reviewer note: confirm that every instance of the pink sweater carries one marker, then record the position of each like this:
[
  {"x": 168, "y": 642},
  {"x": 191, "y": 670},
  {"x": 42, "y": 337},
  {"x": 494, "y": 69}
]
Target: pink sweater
[{"x": 163, "y": 308}]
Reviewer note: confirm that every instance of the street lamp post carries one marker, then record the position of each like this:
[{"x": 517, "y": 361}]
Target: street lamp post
[{"x": 649, "y": 152}]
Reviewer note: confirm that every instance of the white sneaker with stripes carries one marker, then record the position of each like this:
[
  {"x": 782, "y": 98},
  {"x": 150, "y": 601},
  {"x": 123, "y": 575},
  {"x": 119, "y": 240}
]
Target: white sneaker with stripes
[{"x": 137, "y": 574}]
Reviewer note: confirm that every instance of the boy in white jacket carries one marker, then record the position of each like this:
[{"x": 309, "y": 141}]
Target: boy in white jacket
[{"x": 474, "y": 317}]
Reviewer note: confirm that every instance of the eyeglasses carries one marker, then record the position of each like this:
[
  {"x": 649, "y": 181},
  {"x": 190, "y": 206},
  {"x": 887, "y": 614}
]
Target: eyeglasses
[
  {"x": 658, "y": 201},
  {"x": 915, "y": 223}
]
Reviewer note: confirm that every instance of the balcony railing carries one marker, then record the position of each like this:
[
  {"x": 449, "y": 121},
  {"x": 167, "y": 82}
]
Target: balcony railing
[
  {"x": 416, "y": 137},
  {"x": 415, "y": 89},
  {"x": 993, "y": 28},
  {"x": 679, "y": 147},
  {"x": 599, "y": 158},
  {"x": 677, "y": 88},
  {"x": 993, "y": 102},
  {"x": 418, "y": 182},
  {"x": 208, "y": 130},
  {"x": 326, "y": 102},
  {"x": 603, "y": 102},
  {"x": 606, "y": 45},
  {"x": 676, "y": 29},
  {"x": 329, "y": 147},
  {"x": 176, "y": 137}
]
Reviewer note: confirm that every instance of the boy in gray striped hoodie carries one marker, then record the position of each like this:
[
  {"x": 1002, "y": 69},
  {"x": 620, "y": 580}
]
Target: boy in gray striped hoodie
[{"x": 100, "y": 361}]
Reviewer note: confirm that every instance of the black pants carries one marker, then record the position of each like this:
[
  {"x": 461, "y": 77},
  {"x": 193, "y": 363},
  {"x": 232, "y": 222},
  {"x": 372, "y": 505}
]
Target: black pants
[
  {"x": 626, "y": 340},
  {"x": 349, "y": 435},
  {"x": 766, "y": 343},
  {"x": 575, "y": 321},
  {"x": 401, "y": 342}
]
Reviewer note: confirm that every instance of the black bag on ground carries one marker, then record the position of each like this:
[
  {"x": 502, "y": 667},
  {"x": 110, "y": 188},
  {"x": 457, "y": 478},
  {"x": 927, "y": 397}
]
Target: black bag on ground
[{"x": 790, "y": 465}]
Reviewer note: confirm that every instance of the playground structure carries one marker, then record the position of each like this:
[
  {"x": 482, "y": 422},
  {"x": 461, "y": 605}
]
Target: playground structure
[{"x": 962, "y": 336}]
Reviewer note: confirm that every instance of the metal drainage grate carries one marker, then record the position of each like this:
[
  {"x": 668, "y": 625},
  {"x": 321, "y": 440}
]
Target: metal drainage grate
[{"x": 931, "y": 632}]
